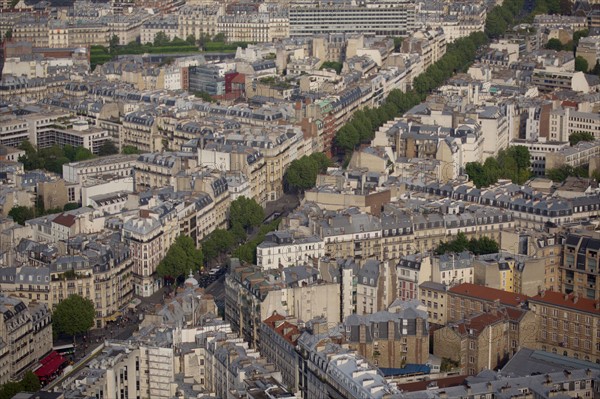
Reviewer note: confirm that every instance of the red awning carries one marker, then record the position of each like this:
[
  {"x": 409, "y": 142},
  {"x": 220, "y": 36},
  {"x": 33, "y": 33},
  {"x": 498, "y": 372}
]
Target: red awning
[{"x": 50, "y": 364}]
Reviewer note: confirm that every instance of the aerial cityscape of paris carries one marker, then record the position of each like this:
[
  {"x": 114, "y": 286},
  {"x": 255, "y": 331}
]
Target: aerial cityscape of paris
[{"x": 300, "y": 199}]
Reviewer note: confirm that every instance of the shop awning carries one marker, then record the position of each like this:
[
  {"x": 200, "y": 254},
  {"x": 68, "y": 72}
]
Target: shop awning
[
  {"x": 50, "y": 364},
  {"x": 113, "y": 317}
]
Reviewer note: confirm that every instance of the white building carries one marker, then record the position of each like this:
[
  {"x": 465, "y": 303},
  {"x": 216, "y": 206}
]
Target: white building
[{"x": 281, "y": 249}]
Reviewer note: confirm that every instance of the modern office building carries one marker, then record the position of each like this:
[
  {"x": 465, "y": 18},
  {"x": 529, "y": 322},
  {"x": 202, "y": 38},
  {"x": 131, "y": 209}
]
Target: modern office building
[{"x": 382, "y": 18}]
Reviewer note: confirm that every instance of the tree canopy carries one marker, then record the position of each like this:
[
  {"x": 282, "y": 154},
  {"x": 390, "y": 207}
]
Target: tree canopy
[
  {"x": 20, "y": 214},
  {"x": 52, "y": 158},
  {"x": 478, "y": 246},
  {"x": 182, "y": 257},
  {"x": 302, "y": 173},
  {"x": 581, "y": 64},
  {"x": 74, "y": 315},
  {"x": 336, "y": 66},
  {"x": 512, "y": 163},
  {"x": 29, "y": 383},
  {"x": 364, "y": 123},
  {"x": 129, "y": 150},
  {"x": 577, "y": 137},
  {"x": 246, "y": 212},
  {"x": 561, "y": 173},
  {"x": 108, "y": 148}
]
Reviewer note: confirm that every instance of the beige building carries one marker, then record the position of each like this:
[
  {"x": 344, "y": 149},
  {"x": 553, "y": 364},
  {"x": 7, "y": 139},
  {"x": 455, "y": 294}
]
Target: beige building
[
  {"x": 467, "y": 299},
  {"x": 434, "y": 297},
  {"x": 483, "y": 341},
  {"x": 542, "y": 247},
  {"x": 567, "y": 324},
  {"x": 253, "y": 294},
  {"x": 390, "y": 339},
  {"x": 26, "y": 332},
  {"x": 376, "y": 286},
  {"x": 156, "y": 170},
  {"x": 140, "y": 130},
  {"x": 144, "y": 234}
]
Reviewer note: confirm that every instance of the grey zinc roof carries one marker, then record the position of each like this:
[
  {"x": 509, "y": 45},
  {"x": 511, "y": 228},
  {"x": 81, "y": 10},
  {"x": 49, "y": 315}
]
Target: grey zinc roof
[{"x": 369, "y": 273}]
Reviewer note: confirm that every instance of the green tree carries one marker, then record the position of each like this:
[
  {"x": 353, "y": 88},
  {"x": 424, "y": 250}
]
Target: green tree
[
  {"x": 246, "y": 212},
  {"x": 577, "y": 137},
  {"x": 8, "y": 34},
  {"x": 113, "y": 43},
  {"x": 581, "y": 64},
  {"x": 182, "y": 257},
  {"x": 73, "y": 316},
  {"x": 161, "y": 39},
  {"x": 130, "y": 150},
  {"x": 108, "y": 148},
  {"x": 219, "y": 38},
  {"x": 336, "y": 66},
  {"x": 82, "y": 154},
  {"x": 204, "y": 96},
  {"x": 20, "y": 214},
  {"x": 191, "y": 39},
  {"x": 561, "y": 173},
  {"x": 30, "y": 382},
  {"x": 554, "y": 44},
  {"x": 71, "y": 206}
]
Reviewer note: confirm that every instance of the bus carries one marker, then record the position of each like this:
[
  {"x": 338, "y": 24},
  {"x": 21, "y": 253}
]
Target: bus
[{"x": 64, "y": 350}]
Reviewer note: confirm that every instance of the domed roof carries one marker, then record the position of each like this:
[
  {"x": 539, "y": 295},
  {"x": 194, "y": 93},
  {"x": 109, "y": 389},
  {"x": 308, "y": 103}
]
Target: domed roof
[{"x": 191, "y": 281}]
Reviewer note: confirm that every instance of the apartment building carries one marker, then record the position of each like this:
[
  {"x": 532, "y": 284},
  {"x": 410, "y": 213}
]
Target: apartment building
[
  {"x": 116, "y": 165},
  {"x": 156, "y": 170},
  {"x": 564, "y": 121},
  {"x": 453, "y": 269},
  {"x": 570, "y": 383},
  {"x": 26, "y": 333},
  {"x": 589, "y": 49},
  {"x": 253, "y": 294},
  {"x": 482, "y": 341},
  {"x": 249, "y": 161},
  {"x": 580, "y": 154},
  {"x": 330, "y": 370},
  {"x": 279, "y": 336},
  {"x": 169, "y": 25},
  {"x": 579, "y": 272},
  {"x": 253, "y": 28},
  {"x": 435, "y": 298},
  {"x": 144, "y": 368},
  {"x": 509, "y": 272},
  {"x": 144, "y": 234},
  {"x": 76, "y": 133},
  {"x": 376, "y": 286},
  {"x": 199, "y": 21},
  {"x": 140, "y": 130},
  {"x": 390, "y": 338},
  {"x": 385, "y": 18},
  {"x": 412, "y": 270},
  {"x": 283, "y": 249},
  {"x": 468, "y": 299},
  {"x": 567, "y": 324}
]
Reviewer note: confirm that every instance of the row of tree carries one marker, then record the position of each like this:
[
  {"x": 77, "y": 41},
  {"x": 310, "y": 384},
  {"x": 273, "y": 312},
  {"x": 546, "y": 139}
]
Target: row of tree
[
  {"x": 245, "y": 214},
  {"x": 512, "y": 163},
  {"x": 478, "y": 246},
  {"x": 182, "y": 257},
  {"x": 501, "y": 18},
  {"x": 302, "y": 173},
  {"x": 561, "y": 173},
  {"x": 247, "y": 251},
  {"x": 364, "y": 123}
]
